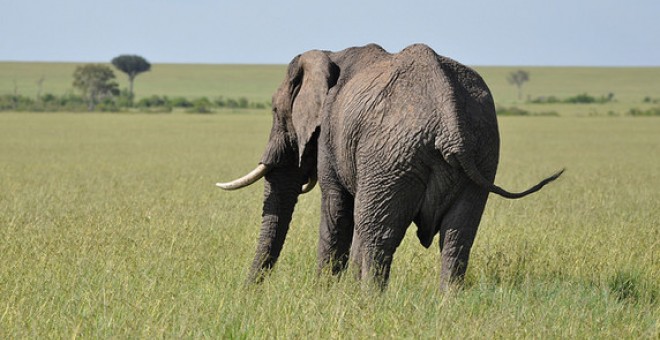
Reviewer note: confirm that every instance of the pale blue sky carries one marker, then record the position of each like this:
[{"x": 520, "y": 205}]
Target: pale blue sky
[{"x": 497, "y": 32}]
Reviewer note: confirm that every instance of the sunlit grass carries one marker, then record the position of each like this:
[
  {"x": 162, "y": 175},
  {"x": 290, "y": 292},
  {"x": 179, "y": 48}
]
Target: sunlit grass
[{"x": 110, "y": 226}]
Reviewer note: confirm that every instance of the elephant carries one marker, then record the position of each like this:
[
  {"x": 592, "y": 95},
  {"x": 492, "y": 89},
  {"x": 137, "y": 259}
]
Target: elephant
[{"x": 392, "y": 139}]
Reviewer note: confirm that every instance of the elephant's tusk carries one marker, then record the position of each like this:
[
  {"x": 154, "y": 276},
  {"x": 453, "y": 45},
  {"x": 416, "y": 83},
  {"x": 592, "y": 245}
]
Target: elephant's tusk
[
  {"x": 254, "y": 175},
  {"x": 307, "y": 187}
]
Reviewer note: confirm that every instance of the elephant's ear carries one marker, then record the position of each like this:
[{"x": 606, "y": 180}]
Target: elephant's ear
[{"x": 312, "y": 81}]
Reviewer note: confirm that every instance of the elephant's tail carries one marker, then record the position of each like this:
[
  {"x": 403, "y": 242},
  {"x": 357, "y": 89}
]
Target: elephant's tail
[{"x": 475, "y": 175}]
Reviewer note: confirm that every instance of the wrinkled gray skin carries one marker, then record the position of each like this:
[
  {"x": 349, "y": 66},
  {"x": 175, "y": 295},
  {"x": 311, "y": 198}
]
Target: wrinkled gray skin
[{"x": 393, "y": 139}]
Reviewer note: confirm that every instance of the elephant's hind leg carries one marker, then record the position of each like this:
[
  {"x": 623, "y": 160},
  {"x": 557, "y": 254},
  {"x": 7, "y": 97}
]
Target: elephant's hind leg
[
  {"x": 457, "y": 232},
  {"x": 382, "y": 215},
  {"x": 336, "y": 229}
]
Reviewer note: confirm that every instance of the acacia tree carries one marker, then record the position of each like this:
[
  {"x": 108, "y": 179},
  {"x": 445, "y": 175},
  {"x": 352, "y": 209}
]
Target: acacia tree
[
  {"x": 96, "y": 82},
  {"x": 518, "y": 78},
  {"x": 132, "y": 65}
]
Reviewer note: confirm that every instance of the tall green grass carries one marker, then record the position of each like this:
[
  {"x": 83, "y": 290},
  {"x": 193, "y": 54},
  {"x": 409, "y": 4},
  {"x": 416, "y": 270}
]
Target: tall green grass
[{"x": 111, "y": 227}]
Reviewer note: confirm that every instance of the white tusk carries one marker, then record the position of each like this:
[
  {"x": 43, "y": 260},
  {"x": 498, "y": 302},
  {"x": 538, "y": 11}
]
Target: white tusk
[
  {"x": 307, "y": 187},
  {"x": 254, "y": 175}
]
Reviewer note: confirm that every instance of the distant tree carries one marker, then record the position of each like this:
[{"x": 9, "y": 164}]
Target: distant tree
[
  {"x": 96, "y": 82},
  {"x": 40, "y": 85},
  {"x": 132, "y": 65},
  {"x": 518, "y": 78}
]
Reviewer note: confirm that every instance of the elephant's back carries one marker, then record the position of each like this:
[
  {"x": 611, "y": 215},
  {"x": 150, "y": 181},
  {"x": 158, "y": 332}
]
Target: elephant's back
[
  {"x": 384, "y": 119},
  {"x": 391, "y": 114}
]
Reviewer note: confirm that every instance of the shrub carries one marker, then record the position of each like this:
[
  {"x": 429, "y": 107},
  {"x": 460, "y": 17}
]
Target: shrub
[
  {"x": 580, "y": 99},
  {"x": 515, "y": 111},
  {"x": 153, "y": 102},
  {"x": 654, "y": 111},
  {"x": 107, "y": 105},
  {"x": 72, "y": 102},
  {"x": 125, "y": 98},
  {"x": 15, "y": 102},
  {"x": 511, "y": 111},
  {"x": 201, "y": 105},
  {"x": 77, "y": 103},
  {"x": 243, "y": 103},
  {"x": 583, "y": 98},
  {"x": 232, "y": 103},
  {"x": 181, "y": 102},
  {"x": 545, "y": 100}
]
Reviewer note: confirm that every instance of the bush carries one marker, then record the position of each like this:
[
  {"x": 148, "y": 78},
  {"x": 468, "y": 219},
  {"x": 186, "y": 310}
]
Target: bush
[
  {"x": 511, "y": 111},
  {"x": 232, "y": 103},
  {"x": 71, "y": 102},
  {"x": 545, "y": 100},
  {"x": 181, "y": 102},
  {"x": 201, "y": 105},
  {"x": 107, "y": 105},
  {"x": 125, "y": 99},
  {"x": 76, "y": 103},
  {"x": 583, "y": 98},
  {"x": 153, "y": 101},
  {"x": 655, "y": 111},
  {"x": 515, "y": 111},
  {"x": 243, "y": 103},
  {"x": 15, "y": 102},
  {"x": 580, "y": 99}
]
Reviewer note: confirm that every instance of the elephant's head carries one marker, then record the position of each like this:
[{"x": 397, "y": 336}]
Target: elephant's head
[{"x": 289, "y": 161}]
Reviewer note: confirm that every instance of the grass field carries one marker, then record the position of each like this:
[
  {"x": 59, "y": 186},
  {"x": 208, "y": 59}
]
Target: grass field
[
  {"x": 257, "y": 82},
  {"x": 111, "y": 227}
]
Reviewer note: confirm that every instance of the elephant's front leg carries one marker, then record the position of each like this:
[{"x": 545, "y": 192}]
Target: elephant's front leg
[{"x": 336, "y": 229}]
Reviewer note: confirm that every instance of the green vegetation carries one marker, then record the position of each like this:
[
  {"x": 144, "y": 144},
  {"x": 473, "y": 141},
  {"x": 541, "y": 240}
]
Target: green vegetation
[
  {"x": 516, "y": 111},
  {"x": 123, "y": 103},
  {"x": 518, "y": 78},
  {"x": 583, "y": 98},
  {"x": 96, "y": 82},
  {"x": 254, "y": 82},
  {"x": 132, "y": 65},
  {"x": 111, "y": 227},
  {"x": 655, "y": 111},
  {"x": 97, "y": 85},
  {"x": 632, "y": 87}
]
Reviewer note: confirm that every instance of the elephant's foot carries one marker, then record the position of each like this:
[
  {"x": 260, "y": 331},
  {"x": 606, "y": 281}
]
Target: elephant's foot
[{"x": 371, "y": 265}]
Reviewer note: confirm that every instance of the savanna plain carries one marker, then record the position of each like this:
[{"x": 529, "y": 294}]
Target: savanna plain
[{"x": 111, "y": 226}]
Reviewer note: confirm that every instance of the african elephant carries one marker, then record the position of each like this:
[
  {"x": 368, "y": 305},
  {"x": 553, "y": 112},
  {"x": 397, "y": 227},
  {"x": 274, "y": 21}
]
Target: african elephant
[{"x": 392, "y": 139}]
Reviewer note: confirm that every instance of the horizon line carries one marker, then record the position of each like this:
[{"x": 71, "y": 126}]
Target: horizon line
[{"x": 284, "y": 64}]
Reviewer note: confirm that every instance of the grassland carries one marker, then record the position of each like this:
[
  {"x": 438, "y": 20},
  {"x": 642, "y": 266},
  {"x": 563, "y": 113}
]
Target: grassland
[
  {"x": 110, "y": 227},
  {"x": 630, "y": 86}
]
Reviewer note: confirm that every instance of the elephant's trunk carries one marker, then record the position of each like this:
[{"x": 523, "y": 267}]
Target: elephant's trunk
[{"x": 281, "y": 189}]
